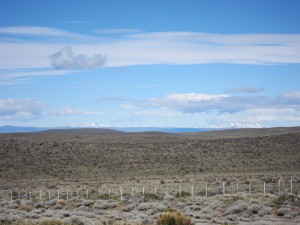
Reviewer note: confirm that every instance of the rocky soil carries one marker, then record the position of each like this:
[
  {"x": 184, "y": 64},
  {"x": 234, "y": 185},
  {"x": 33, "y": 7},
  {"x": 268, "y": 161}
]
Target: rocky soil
[{"x": 241, "y": 209}]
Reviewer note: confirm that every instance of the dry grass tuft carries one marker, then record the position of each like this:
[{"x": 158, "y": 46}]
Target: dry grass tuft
[{"x": 174, "y": 218}]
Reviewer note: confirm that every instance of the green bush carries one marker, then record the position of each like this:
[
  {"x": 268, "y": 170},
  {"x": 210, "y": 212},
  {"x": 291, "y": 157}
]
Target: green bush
[
  {"x": 174, "y": 218},
  {"x": 148, "y": 196},
  {"x": 107, "y": 196},
  {"x": 293, "y": 199},
  {"x": 184, "y": 194}
]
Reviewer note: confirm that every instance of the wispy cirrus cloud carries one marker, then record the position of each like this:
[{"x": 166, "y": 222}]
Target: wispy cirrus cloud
[
  {"x": 135, "y": 47},
  {"x": 41, "y": 31},
  {"x": 118, "y": 31},
  {"x": 245, "y": 89}
]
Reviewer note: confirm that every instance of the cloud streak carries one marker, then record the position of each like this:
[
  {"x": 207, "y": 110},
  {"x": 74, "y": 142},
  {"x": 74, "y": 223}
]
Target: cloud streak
[
  {"x": 124, "y": 48},
  {"x": 245, "y": 89},
  {"x": 65, "y": 59}
]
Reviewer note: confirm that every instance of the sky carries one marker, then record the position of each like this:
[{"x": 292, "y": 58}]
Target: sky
[{"x": 191, "y": 63}]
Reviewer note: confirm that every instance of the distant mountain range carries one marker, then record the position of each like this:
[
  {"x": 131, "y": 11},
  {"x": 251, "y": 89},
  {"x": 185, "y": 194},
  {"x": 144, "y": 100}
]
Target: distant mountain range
[{"x": 17, "y": 129}]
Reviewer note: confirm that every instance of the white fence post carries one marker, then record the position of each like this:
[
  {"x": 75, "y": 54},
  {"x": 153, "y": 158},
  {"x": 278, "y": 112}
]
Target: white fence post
[
  {"x": 30, "y": 195},
  {"x": 264, "y": 188},
  {"x": 11, "y": 195},
  {"x": 58, "y": 194},
  {"x": 77, "y": 194},
  {"x": 291, "y": 186},
  {"x": 192, "y": 191},
  {"x": 180, "y": 191},
  {"x": 132, "y": 194},
  {"x": 49, "y": 195},
  {"x": 40, "y": 195},
  {"x": 206, "y": 191},
  {"x": 87, "y": 193},
  {"x": 237, "y": 188},
  {"x": 143, "y": 190},
  {"x": 279, "y": 186}
]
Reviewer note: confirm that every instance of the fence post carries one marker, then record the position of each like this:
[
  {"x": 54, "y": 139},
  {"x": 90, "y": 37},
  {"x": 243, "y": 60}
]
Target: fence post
[
  {"x": 49, "y": 195},
  {"x": 11, "y": 195},
  {"x": 279, "y": 186},
  {"x": 132, "y": 192},
  {"x": 58, "y": 194},
  {"x": 67, "y": 194},
  {"x": 19, "y": 195},
  {"x": 264, "y": 188},
  {"x": 192, "y": 191},
  {"x": 87, "y": 193},
  {"x": 143, "y": 190},
  {"x": 30, "y": 195},
  {"x": 108, "y": 191},
  {"x": 40, "y": 195},
  {"x": 291, "y": 186},
  {"x": 155, "y": 190},
  {"x": 180, "y": 191},
  {"x": 206, "y": 191},
  {"x": 77, "y": 195},
  {"x": 223, "y": 188},
  {"x": 237, "y": 188}
]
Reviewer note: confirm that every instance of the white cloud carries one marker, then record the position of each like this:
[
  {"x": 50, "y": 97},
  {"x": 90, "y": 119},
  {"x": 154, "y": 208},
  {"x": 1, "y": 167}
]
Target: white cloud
[
  {"x": 238, "y": 125},
  {"x": 245, "y": 89},
  {"x": 20, "y": 108},
  {"x": 192, "y": 97},
  {"x": 118, "y": 31},
  {"x": 291, "y": 95},
  {"x": 156, "y": 113},
  {"x": 72, "y": 111},
  {"x": 65, "y": 59},
  {"x": 266, "y": 117},
  {"x": 195, "y": 103},
  {"x": 41, "y": 31}
]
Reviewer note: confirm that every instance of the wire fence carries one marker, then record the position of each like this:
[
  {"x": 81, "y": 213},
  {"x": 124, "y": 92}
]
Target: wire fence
[{"x": 179, "y": 190}]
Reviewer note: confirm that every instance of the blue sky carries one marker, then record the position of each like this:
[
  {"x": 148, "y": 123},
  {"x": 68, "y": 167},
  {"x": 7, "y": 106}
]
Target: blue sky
[{"x": 204, "y": 63}]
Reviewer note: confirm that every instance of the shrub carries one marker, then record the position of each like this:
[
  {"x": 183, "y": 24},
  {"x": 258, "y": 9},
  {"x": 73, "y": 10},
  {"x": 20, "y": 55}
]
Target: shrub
[
  {"x": 26, "y": 208},
  {"x": 231, "y": 200},
  {"x": 51, "y": 222},
  {"x": 148, "y": 196},
  {"x": 107, "y": 196},
  {"x": 184, "y": 194},
  {"x": 174, "y": 218},
  {"x": 293, "y": 199}
]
